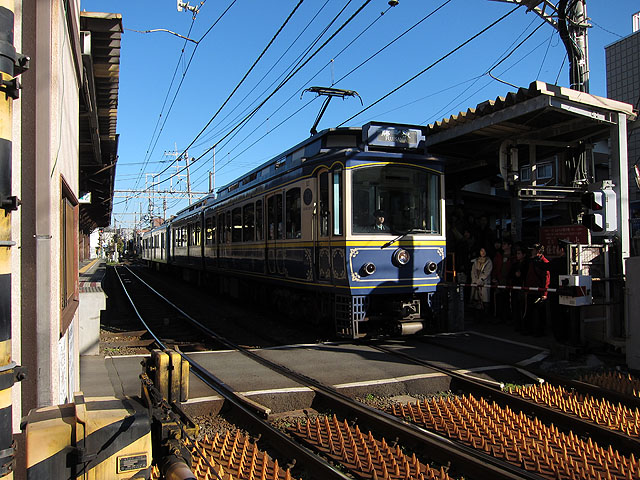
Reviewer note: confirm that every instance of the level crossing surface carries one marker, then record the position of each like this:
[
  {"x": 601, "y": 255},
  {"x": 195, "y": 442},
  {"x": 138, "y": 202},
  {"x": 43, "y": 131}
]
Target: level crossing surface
[{"x": 354, "y": 369}]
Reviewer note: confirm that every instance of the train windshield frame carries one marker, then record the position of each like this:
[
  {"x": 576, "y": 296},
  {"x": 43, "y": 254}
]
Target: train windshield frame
[{"x": 408, "y": 197}]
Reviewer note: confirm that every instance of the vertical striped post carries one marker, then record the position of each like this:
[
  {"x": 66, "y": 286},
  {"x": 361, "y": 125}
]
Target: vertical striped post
[{"x": 10, "y": 66}]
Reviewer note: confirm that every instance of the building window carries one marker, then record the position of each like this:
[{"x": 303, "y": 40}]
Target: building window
[
  {"x": 293, "y": 213},
  {"x": 544, "y": 171},
  {"x": 525, "y": 173},
  {"x": 69, "y": 286}
]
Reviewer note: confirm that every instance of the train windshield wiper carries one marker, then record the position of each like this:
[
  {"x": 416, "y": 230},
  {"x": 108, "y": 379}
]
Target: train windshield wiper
[{"x": 404, "y": 234}]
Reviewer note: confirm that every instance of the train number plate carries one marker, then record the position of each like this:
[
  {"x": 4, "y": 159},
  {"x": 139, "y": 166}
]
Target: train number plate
[{"x": 132, "y": 462}]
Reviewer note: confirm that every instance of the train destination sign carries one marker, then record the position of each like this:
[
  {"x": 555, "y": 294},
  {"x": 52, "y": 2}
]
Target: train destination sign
[{"x": 392, "y": 136}]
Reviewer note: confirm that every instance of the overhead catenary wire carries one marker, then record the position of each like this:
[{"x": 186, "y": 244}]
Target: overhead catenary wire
[
  {"x": 342, "y": 78},
  {"x": 286, "y": 80},
  {"x": 475, "y": 80},
  {"x": 241, "y": 81},
  {"x": 498, "y": 62},
  {"x": 317, "y": 73},
  {"x": 148, "y": 152},
  {"x": 423, "y": 71},
  {"x": 292, "y": 66},
  {"x": 184, "y": 75},
  {"x": 151, "y": 148},
  {"x": 295, "y": 94},
  {"x": 206, "y": 139}
]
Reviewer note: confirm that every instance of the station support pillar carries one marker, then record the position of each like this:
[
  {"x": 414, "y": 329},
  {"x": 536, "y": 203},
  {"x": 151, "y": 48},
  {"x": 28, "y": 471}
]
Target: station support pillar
[{"x": 11, "y": 64}]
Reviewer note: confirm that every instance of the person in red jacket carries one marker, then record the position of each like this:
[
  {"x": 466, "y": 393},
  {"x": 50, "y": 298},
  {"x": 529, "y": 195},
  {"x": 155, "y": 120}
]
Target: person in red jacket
[{"x": 537, "y": 276}]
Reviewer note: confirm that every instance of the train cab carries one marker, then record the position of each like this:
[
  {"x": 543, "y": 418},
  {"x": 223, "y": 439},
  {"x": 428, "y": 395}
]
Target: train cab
[{"x": 379, "y": 230}]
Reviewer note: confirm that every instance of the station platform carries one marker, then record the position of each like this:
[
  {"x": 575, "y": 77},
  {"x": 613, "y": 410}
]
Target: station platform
[
  {"x": 92, "y": 302},
  {"x": 354, "y": 369}
]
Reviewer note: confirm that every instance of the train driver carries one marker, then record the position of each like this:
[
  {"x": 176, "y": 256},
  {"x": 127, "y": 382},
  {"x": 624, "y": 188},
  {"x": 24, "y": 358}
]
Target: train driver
[{"x": 379, "y": 225}]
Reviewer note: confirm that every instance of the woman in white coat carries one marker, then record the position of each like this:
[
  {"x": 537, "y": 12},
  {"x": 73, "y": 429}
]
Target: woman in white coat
[{"x": 480, "y": 276}]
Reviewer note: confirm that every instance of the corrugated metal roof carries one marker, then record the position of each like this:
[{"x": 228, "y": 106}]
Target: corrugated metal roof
[
  {"x": 534, "y": 90},
  {"x": 98, "y": 115},
  {"x": 549, "y": 116}
]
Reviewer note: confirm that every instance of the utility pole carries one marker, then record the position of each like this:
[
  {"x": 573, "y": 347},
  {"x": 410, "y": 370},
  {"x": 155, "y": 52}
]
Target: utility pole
[
  {"x": 186, "y": 158},
  {"x": 212, "y": 183},
  {"x": 570, "y": 20}
]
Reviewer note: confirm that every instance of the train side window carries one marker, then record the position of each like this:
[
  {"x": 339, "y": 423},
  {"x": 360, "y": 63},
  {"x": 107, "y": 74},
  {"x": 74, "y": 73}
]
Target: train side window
[
  {"x": 271, "y": 218},
  {"x": 221, "y": 228},
  {"x": 324, "y": 204},
  {"x": 208, "y": 231},
  {"x": 279, "y": 207},
  {"x": 197, "y": 239},
  {"x": 337, "y": 202},
  {"x": 293, "y": 214},
  {"x": 248, "y": 215},
  {"x": 227, "y": 227},
  {"x": 236, "y": 233},
  {"x": 259, "y": 232}
]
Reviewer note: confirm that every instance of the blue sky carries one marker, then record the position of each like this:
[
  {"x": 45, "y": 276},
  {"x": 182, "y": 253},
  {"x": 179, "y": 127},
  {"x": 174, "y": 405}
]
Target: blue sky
[{"x": 167, "y": 97}]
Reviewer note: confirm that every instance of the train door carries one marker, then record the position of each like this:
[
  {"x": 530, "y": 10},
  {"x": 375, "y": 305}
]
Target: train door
[
  {"x": 275, "y": 231},
  {"x": 321, "y": 243}
]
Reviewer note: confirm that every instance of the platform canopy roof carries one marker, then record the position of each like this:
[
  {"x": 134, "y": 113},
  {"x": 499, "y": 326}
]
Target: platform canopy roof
[
  {"x": 100, "y": 48},
  {"x": 551, "y": 117}
]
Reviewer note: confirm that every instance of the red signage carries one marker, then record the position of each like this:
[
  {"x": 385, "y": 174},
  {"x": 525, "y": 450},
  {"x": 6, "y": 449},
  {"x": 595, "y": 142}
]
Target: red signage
[{"x": 549, "y": 237}]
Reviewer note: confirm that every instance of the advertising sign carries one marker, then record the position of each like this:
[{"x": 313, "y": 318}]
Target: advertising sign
[{"x": 549, "y": 237}]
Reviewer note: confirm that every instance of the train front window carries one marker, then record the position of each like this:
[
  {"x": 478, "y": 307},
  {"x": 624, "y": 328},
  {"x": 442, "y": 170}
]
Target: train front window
[{"x": 405, "y": 198}]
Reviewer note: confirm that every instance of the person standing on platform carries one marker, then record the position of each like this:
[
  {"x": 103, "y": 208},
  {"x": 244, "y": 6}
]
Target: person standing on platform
[
  {"x": 480, "y": 276},
  {"x": 537, "y": 277},
  {"x": 502, "y": 263},
  {"x": 517, "y": 273}
]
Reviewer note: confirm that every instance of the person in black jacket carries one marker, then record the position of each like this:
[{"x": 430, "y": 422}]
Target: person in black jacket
[
  {"x": 516, "y": 276},
  {"x": 559, "y": 315}
]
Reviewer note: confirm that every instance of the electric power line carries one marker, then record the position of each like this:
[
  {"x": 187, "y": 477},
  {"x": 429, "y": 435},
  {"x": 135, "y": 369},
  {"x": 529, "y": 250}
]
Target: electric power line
[
  {"x": 242, "y": 80},
  {"x": 431, "y": 65},
  {"x": 286, "y": 80}
]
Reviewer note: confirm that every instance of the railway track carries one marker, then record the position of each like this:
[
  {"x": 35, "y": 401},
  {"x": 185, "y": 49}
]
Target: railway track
[{"x": 364, "y": 454}]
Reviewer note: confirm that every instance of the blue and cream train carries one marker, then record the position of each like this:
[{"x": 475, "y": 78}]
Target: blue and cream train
[{"x": 300, "y": 231}]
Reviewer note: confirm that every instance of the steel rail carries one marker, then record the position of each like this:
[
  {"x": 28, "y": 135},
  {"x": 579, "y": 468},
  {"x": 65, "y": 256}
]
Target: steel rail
[
  {"x": 619, "y": 440},
  {"x": 441, "y": 449},
  {"x": 582, "y": 387},
  {"x": 316, "y": 465}
]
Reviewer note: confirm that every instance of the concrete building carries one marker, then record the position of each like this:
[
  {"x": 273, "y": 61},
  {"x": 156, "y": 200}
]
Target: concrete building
[
  {"x": 63, "y": 154},
  {"x": 623, "y": 83}
]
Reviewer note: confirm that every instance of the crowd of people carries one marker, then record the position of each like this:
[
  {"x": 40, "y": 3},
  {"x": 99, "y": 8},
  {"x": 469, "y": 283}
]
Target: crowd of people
[{"x": 487, "y": 260}]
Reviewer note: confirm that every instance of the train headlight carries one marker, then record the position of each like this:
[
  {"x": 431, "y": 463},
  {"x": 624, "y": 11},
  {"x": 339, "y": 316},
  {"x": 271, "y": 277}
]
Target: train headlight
[
  {"x": 368, "y": 269},
  {"x": 430, "y": 267},
  {"x": 401, "y": 257}
]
